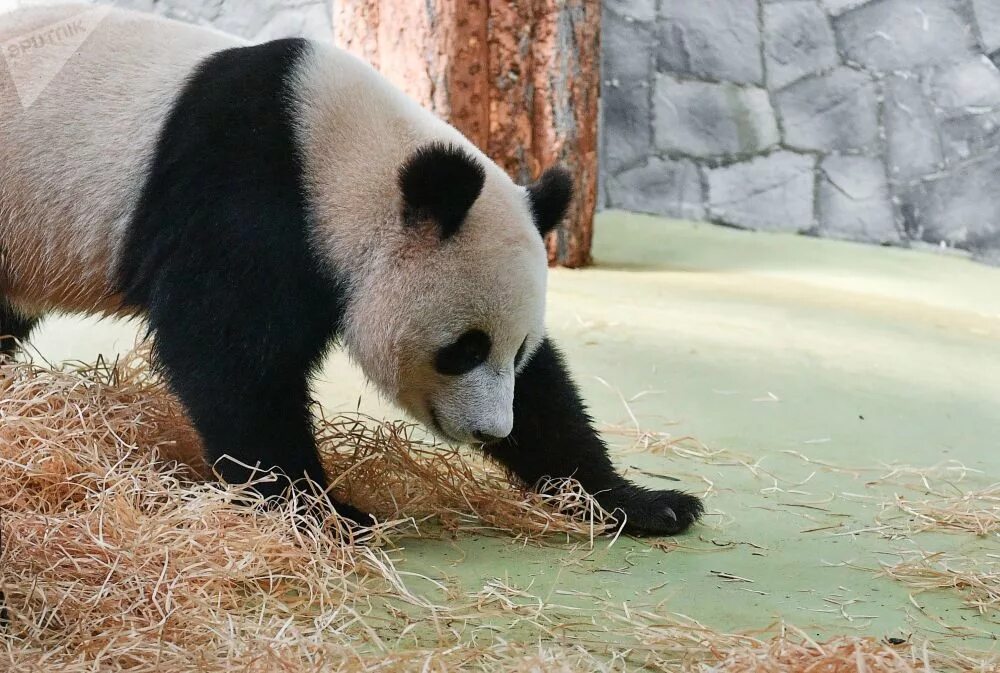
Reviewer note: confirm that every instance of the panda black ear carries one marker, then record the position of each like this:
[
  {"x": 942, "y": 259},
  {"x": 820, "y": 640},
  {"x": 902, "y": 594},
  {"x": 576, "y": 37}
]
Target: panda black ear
[
  {"x": 440, "y": 182},
  {"x": 550, "y": 196}
]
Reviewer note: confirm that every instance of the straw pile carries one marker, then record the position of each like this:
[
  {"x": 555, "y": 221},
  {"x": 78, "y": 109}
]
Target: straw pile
[
  {"x": 54, "y": 422},
  {"x": 116, "y": 555}
]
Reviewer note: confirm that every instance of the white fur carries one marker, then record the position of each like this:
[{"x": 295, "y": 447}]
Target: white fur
[{"x": 73, "y": 155}]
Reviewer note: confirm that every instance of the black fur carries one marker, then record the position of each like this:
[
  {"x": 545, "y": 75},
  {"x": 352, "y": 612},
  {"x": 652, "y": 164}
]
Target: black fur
[
  {"x": 550, "y": 196},
  {"x": 553, "y": 436},
  {"x": 467, "y": 352},
  {"x": 440, "y": 182},
  {"x": 14, "y": 327},
  {"x": 217, "y": 256}
]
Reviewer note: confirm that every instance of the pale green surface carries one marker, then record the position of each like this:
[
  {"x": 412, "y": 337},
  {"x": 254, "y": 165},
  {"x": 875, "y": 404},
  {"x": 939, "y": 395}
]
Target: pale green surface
[{"x": 758, "y": 344}]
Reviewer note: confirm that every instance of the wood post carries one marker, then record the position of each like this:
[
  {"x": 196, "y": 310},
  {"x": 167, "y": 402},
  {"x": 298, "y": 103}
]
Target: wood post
[{"x": 520, "y": 78}]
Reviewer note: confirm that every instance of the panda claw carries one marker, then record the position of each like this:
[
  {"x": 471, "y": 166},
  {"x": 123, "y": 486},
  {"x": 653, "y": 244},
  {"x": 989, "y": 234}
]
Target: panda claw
[{"x": 640, "y": 511}]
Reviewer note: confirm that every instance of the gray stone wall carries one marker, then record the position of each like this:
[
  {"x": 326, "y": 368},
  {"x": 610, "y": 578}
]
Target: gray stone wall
[{"x": 868, "y": 120}]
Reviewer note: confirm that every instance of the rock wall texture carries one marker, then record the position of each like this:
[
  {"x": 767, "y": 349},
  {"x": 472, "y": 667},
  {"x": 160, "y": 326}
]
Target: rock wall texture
[{"x": 868, "y": 120}]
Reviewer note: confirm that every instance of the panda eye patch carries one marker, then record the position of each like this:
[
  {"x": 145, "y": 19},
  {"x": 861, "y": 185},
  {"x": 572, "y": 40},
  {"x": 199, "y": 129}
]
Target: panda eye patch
[
  {"x": 520, "y": 352},
  {"x": 468, "y": 352}
]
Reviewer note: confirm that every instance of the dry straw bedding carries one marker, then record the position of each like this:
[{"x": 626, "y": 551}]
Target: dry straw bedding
[{"x": 118, "y": 555}]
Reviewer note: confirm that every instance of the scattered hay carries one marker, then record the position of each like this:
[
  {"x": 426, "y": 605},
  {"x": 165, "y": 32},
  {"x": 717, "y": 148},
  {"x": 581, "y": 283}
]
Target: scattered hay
[
  {"x": 671, "y": 642},
  {"x": 978, "y": 580},
  {"x": 794, "y": 651},
  {"x": 976, "y": 511},
  {"x": 666, "y": 444},
  {"x": 116, "y": 556},
  {"x": 949, "y": 471},
  {"x": 903, "y": 475}
]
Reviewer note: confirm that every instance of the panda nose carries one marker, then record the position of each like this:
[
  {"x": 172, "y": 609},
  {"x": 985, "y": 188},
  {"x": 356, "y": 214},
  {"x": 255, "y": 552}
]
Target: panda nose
[{"x": 487, "y": 438}]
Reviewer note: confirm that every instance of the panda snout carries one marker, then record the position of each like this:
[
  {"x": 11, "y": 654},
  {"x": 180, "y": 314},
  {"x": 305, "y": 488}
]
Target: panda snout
[
  {"x": 492, "y": 429},
  {"x": 488, "y": 437},
  {"x": 477, "y": 408}
]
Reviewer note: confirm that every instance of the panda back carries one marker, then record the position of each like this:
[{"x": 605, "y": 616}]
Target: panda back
[{"x": 84, "y": 94}]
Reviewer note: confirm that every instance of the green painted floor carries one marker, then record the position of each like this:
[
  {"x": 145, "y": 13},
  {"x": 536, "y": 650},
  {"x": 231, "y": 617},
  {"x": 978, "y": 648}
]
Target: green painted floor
[{"x": 774, "y": 349}]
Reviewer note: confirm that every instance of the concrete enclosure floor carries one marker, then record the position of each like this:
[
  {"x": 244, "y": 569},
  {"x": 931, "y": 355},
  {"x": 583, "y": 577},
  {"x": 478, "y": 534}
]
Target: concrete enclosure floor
[{"x": 812, "y": 367}]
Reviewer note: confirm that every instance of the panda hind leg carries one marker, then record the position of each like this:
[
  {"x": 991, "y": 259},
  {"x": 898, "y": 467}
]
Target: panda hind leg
[
  {"x": 14, "y": 327},
  {"x": 252, "y": 423},
  {"x": 248, "y": 395}
]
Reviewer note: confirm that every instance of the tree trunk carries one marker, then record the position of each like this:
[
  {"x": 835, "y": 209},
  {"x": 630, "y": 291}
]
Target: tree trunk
[{"x": 520, "y": 78}]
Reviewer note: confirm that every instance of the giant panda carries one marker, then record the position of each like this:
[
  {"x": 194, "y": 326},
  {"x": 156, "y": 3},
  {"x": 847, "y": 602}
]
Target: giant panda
[{"x": 256, "y": 203}]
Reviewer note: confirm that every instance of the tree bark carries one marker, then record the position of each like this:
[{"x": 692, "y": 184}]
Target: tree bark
[{"x": 520, "y": 78}]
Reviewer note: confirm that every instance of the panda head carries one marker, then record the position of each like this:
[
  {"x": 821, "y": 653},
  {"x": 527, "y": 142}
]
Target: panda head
[{"x": 451, "y": 302}]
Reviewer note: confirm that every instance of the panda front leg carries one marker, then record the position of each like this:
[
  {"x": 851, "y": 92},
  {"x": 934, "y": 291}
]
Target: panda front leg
[{"x": 553, "y": 436}]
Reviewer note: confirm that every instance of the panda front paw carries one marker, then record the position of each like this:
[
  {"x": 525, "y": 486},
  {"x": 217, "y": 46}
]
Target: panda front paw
[{"x": 640, "y": 511}]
